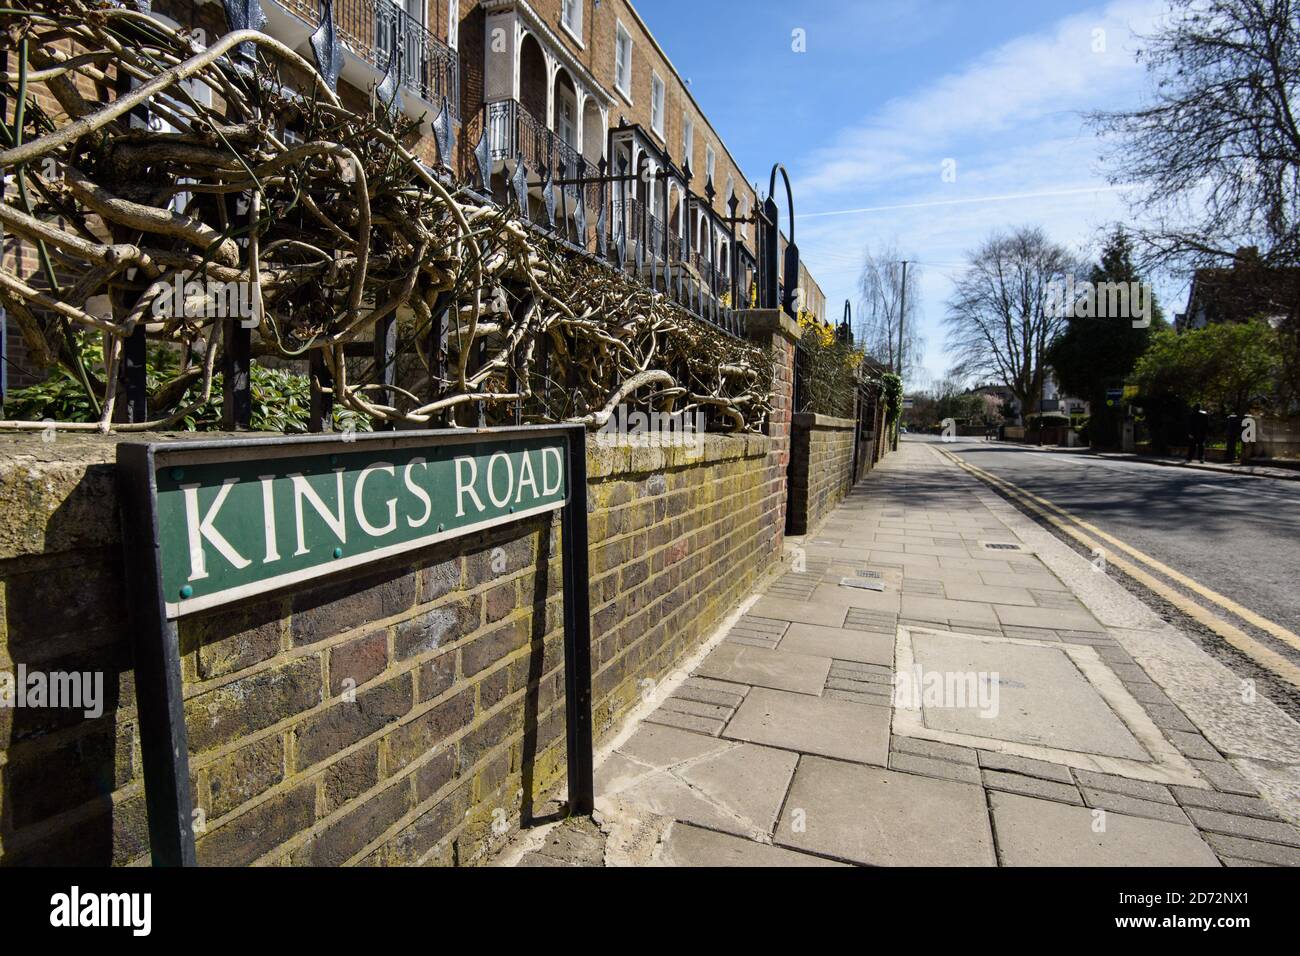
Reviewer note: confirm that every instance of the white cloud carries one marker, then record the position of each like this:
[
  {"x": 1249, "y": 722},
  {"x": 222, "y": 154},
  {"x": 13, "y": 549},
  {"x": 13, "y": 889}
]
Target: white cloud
[{"x": 1012, "y": 120}]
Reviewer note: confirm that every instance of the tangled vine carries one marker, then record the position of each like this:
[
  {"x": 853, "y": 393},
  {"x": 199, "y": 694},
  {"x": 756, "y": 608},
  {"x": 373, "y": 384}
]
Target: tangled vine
[{"x": 139, "y": 162}]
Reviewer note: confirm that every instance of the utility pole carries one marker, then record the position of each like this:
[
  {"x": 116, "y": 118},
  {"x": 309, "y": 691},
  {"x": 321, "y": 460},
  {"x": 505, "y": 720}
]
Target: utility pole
[{"x": 902, "y": 315}]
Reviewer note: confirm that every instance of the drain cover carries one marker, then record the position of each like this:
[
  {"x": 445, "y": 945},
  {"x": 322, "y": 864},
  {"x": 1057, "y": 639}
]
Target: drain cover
[
  {"x": 1000, "y": 546},
  {"x": 864, "y": 573},
  {"x": 865, "y": 583}
]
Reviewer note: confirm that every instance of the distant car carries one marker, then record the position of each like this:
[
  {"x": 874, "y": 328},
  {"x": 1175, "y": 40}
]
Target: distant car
[{"x": 902, "y": 429}]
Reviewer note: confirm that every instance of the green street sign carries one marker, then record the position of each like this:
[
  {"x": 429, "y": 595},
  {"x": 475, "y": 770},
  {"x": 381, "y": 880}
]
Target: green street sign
[
  {"x": 230, "y": 527},
  {"x": 206, "y": 523}
]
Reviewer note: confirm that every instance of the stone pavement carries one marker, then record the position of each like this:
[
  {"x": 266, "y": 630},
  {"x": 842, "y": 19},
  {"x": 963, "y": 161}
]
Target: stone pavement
[{"x": 966, "y": 707}]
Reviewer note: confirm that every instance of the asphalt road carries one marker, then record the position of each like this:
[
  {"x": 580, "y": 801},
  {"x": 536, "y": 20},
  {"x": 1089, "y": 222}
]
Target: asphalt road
[{"x": 1237, "y": 535}]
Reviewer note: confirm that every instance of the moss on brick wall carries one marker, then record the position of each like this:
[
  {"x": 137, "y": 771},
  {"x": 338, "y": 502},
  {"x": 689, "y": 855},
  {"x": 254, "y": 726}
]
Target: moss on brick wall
[
  {"x": 821, "y": 463},
  {"x": 409, "y": 713}
]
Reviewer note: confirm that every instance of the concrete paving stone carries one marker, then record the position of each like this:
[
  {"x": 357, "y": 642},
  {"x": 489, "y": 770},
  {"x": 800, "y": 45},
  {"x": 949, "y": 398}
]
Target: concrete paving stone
[
  {"x": 1053, "y": 618},
  {"x": 1148, "y": 693},
  {"x": 783, "y": 610},
  {"x": 1169, "y": 717},
  {"x": 1031, "y": 786},
  {"x": 988, "y": 594},
  {"x": 1034, "y": 832},
  {"x": 737, "y": 789},
  {"x": 1141, "y": 789},
  {"x": 983, "y": 565},
  {"x": 1227, "y": 802},
  {"x": 882, "y": 671},
  {"x": 704, "y": 695},
  {"x": 1254, "y": 850},
  {"x": 687, "y": 845},
  {"x": 837, "y": 595},
  {"x": 877, "y": 622},
  {"x": 938, "y": 551},
  {"x": 928, "y": 588},
  {"x": 1011, "y": 763},
  {"x": 705, "y": 684},
  {"x": 1252, "y": 828},
  {"x": 942, "y": 609},
  {"x": 1114, "y": 655},
  {"x": 1090, "y": 638},
  {"x": 1043, "y": 580},
  {"x": 1042, "y": 698},
  {"x": 870, "y": 677},
  {"x": 1224, "y": 777},
  {"x": 768, "y": 643},
  {"x": 753, "y": 622},
  {"x": 929, "y": 767},
  {"x": 661, "y": 747},
  {"x": 869, "y": 688},
  {"x": 838, "y": 643},
  {"x": 975, "y": 627},
  {"x": 818, "y": 725},
  {"x": 855, "y": 697},
  {"x": 883, "y": 818},
  {"x": 1060, "y": 600},
  {"x": 1131, "y": 806},
  {"x": 1127, "y": 672},
  {"x": 1192, "y": 745},
  {"x": 704, "y": 725},
  {"x": 934, "y": 749},
  {"x": 760, "y": 667},
  {"x": 683, "y": 705},
  {"x": 1030, "y": 633}
]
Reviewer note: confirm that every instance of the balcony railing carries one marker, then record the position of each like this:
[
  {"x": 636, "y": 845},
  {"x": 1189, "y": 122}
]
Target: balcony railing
[
  {"x": 513, "y": 131},
  {"x": 374, "y": 29}
]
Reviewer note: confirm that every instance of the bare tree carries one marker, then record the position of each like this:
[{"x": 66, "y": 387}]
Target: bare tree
[
  {"x": 1000, "y": 317},
  {"x": 880, "y": 305},
  {"x": 1217, "y": 152}
]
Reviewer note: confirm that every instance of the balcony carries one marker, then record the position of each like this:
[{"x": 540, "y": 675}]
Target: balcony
[{"x": 372, "y": 30}]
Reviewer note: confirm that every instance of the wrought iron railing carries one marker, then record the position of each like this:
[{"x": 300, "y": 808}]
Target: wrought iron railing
[
  {"x": 513, "y": 131},
  {"x": 382, "y": 32}
]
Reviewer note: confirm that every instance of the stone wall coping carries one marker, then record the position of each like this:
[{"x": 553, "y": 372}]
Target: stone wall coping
[
  {"x": 633, "y": 456},
  {"x": 812, "y": 420},
  {"x": 774, "y": 321},
  {"x": 61, "y": 495}
]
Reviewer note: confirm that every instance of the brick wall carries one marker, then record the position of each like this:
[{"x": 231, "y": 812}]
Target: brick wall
[
  {"x": 388, "y": 717},
  {"x": 821, "y": 462}
]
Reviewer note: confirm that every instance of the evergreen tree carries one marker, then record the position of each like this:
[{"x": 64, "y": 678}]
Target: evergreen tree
[{"x": 1098, "y": 350}]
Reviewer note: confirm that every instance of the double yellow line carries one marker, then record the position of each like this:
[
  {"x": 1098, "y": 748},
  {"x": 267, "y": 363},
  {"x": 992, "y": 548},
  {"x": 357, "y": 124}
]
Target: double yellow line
[{"x": 1091, "y": 537}]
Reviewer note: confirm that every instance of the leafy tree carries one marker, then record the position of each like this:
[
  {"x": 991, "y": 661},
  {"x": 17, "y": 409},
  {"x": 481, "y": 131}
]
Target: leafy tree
[
  {"x": 1229, "y": 368},
  {"x": 1097, "y": 352}
]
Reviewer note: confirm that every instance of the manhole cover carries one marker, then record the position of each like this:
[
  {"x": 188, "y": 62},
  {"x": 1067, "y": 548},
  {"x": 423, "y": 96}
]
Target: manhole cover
[{"x": 867, "y": 584}]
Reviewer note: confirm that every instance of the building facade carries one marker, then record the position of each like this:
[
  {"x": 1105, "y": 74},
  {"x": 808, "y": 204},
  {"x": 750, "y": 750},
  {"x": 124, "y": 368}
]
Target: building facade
[{"x": 574, "y": 95}]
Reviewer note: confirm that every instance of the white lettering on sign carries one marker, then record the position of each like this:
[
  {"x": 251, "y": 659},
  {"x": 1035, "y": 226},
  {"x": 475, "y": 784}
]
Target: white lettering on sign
[
  {"x": 549, "y": 489},
  {"x": 303, "y": 489},
  {"x": 419, "y": 492},
  {"x": 268, "y": 517},
  {"x": 359, "y": 501},
  {"x": 201, "y": 528},
  {"x": 510, "y": 478},
  {"x": 463, "y": 488}
]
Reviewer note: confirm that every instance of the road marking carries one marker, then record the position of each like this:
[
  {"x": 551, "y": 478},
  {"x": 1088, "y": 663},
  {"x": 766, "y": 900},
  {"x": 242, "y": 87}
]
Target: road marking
[{"x": 1071, "y": 525}]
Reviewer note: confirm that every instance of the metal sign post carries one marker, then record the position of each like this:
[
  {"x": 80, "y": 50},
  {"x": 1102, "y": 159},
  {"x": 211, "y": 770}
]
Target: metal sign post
[{"x": 209, "y": 523}]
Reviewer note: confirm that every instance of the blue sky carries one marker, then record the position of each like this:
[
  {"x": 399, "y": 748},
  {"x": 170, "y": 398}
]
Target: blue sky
[{"x": 889, "y": 90}]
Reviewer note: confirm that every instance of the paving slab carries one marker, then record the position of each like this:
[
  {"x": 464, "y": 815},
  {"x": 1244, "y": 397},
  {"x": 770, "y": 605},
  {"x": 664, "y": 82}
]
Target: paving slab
[
  {"x": 883, "y": 818},
  {"x": 816, "y": 725},
  {"x": 688, "y": 845},
  {"x": 761, "y": 667},
  {"x": 1055, "y": 618},
  {"x": 1033, "y": 832},
  {"x": 737, "y": 788},
  {"x": 1041, "y": 697},
  {"x": 940, "y": 609},
  {"x": 780, "y": 609},
  {"x": 840, "y": 644}
]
